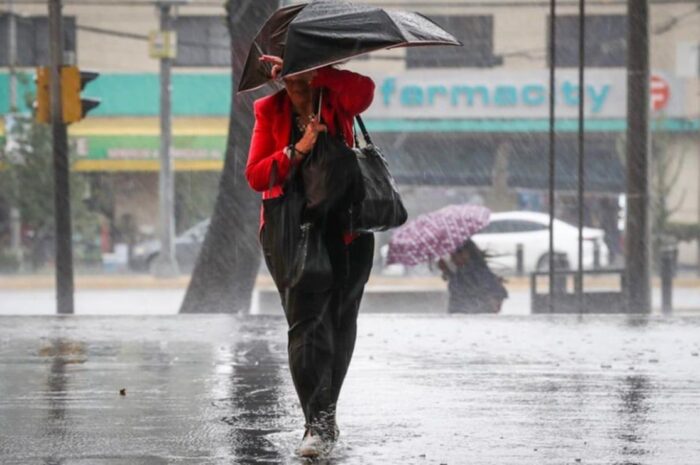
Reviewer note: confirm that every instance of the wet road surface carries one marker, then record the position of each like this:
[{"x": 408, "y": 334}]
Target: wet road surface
[{"x": 422, "y": 389}]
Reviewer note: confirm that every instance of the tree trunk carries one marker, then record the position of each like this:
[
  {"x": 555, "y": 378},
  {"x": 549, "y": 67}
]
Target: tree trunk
[{"x": 225, "y": 272}]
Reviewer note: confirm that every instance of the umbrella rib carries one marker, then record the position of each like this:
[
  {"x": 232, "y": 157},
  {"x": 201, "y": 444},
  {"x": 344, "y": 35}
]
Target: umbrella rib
[
  {"x": 350, "y": 57},
  {"x": 397, "y": 29}
]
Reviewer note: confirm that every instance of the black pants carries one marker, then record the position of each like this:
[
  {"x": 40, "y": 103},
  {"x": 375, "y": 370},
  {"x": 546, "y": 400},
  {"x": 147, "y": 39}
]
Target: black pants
[{"x": 323, "y": 329}]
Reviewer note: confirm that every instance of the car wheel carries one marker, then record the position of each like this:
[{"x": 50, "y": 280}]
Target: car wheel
[{"x": 543, "y": 262}]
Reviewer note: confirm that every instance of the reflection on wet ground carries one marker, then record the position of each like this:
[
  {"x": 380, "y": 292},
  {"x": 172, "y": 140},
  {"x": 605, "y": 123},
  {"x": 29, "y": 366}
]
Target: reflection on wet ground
[{"x": 428, "y": 389}]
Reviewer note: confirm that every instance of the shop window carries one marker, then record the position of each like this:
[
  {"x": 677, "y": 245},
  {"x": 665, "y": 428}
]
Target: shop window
[
  {"x": 475, "y": 32},
  {"x": 438, "y": 159},
  {"x": 33, "y": 39},
  {"x": 604, "y": 172},
  {"x": 202, "y": 41},
  {"x": 606, "y": 41}
]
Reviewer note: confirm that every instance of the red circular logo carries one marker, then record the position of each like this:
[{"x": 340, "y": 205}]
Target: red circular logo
[{"x": 659, "y": 93}]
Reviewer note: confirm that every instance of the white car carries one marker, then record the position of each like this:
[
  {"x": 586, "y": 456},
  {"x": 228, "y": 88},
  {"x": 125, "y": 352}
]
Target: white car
[{"x": 506, "y": 230}]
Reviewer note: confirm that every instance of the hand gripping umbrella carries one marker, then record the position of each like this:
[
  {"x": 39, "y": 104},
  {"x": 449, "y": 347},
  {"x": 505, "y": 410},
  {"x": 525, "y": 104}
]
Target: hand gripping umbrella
[
  {"x": 325, "y": 32},
  {"x": 436, "y": 234}
]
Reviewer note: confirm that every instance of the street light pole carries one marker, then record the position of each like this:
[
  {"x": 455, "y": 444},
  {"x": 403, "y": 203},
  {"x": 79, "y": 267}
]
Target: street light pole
[
  {"x": 581, "y": 150},
  {"x": 62, "y": 213},
  {"x": 637, "y": 233},
  {"x": 552, "y": 141},
  {"x": 12, "y": 53},
  {"x": 165, "y": 264},
  {"x": 15, "y": 218}
]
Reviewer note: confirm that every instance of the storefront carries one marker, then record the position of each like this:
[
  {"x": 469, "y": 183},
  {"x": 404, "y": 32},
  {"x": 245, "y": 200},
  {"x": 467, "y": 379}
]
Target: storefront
[
  {"x": 449, "y": 135},
  {"x": 450, "y": 127}
]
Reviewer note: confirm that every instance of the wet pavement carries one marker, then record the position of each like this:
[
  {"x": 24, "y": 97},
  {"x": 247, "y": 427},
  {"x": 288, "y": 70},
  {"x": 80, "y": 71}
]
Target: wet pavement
[{"x": 422, "y": 389}]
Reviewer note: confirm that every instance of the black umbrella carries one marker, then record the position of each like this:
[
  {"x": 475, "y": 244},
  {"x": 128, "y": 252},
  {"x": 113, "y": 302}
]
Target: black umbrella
[
  {"x": 270, "y": 40},
  {"x": 325, "y": 32}
]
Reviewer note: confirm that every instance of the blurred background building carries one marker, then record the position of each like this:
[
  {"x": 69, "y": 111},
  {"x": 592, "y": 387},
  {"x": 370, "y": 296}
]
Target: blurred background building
[{"x": 457, "y": 124}]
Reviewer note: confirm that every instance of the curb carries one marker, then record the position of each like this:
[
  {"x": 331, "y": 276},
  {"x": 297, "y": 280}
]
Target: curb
[{"x": 375, "y": 283}]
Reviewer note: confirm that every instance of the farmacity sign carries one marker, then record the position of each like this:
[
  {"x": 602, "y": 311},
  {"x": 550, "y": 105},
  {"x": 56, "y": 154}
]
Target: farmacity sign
[{"x": 489, "y": 94}]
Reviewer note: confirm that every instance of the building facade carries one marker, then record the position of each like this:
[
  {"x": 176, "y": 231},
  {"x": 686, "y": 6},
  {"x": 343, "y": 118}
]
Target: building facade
[{"x": 458, "y": 124}]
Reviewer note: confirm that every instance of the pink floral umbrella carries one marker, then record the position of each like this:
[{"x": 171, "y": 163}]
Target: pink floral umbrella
[{"x": 436, "y": 234}]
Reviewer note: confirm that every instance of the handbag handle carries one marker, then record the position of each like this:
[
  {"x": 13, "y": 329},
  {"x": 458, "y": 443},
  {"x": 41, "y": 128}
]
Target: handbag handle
[
  {"x": 273, "y": 175},
  {"x": 363, "y": 129},
  {"x": 320, "y": 107}
]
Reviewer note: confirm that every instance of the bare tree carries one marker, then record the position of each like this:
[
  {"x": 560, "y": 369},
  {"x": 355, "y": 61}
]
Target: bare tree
[
  {"x": 225, "y": 272},
  {"x": 666, "y": 169}
]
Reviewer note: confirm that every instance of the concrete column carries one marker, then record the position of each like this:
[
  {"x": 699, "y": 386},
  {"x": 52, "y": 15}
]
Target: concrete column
[
  {"x": 637, "y": 236},
  {"x": 500, "y": 197}
]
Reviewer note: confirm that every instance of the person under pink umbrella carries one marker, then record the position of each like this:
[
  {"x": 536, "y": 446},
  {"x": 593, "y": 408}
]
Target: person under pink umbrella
[
  {"x": 443, "y": 236},
  {"x": 472, "y": 286}
]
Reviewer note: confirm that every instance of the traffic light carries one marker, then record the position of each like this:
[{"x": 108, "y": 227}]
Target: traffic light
[
  {"x": 73, "y": 81},
  {"x": 42, "y": 104}
]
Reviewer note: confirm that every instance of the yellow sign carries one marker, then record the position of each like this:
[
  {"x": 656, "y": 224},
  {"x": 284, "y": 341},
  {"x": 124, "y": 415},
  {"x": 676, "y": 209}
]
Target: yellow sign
[{"x": 162, "y": 44}]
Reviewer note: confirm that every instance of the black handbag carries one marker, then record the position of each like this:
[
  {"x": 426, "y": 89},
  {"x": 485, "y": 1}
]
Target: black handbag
[
  {"x": 332, "y": 177},
  {"x": 311, "y": 268},
  {"x": 381, "y": 207},
  {"x": 331, "y": 174},
  {"x": 294, "y": 247}
]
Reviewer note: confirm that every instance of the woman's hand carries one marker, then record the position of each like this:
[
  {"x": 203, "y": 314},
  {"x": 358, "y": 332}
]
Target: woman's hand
[
  {"x": 276, "y": 64},
  {"x": 308, "y": 140}
]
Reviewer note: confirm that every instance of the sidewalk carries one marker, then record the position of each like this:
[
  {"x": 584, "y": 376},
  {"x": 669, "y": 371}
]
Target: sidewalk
[
  {"x": 145, "y": 281},
  {"x": 429, "y": 389},
  {"x": 146, "y": 295}
]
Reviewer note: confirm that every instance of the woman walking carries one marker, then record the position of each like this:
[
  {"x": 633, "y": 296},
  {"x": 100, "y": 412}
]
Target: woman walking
[{"x": 322, "y": 324}]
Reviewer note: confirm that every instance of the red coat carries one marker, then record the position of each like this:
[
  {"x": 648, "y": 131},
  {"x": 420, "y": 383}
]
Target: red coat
[{"x": 345, "y": 95}]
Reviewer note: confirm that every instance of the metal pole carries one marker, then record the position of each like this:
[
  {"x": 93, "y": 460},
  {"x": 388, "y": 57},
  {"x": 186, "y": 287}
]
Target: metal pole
[
  {"x": 12, "y": 54},
  {"x": 62, "y": 213},
  {"x": 166, "y": 265},
  {"x": 552, "y": 162},
  {"x": 669, "y": 255},
  {"x": 637, "y": 256},
  {"x": 581, "y": 154},
  {"x": 596, "y": 255},
  {"x": 15, "y": 217}
]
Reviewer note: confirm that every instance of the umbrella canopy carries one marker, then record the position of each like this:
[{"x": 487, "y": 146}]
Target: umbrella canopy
[
  {"x": 325, "y": 32},
  {"x": 328, "y": 32},
  {"x": 436, "y": 234},
  {"x": 270, "y": 40}
]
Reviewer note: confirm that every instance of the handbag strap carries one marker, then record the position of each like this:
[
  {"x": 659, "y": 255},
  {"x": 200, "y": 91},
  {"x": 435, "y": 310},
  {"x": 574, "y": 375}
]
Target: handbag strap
[
  {"x": 363, "y": 128},
  {"x": 273, "y": 175}
]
